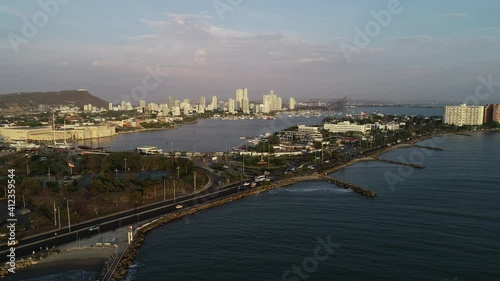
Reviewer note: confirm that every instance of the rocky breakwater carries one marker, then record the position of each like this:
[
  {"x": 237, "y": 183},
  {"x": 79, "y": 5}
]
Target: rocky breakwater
[
  {"x": 429, "y": 147},
  {"x": 416, "y": 166},
  {"x": 358, "y": 189},
  {"x": 131, "y": 252}
]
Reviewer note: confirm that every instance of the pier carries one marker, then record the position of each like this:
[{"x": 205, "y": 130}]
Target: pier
[
  {"x": 356, "y": 188},
  {"x": 416, "y": 166},
  {"x": 429, "y": 147}
]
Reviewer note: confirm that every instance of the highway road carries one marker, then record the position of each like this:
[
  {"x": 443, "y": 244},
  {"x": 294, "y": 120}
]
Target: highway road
[{"x": 130, "y": 217}]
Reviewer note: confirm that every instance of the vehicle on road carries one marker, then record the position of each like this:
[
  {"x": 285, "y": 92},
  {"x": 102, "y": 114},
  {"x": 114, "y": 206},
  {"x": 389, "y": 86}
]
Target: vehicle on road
[
  {"x": 178, "y": 206},
  {"x": 94, "y": 228},
  {"x": 260, "y": 178}
]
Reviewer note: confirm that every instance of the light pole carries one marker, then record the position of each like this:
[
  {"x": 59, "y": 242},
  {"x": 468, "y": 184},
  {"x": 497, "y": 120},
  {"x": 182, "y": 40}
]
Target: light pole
[
  {"x": 69, "y": 220},
  {"x": 125, "y": 160},
  {"x": 194, "y": 181}
]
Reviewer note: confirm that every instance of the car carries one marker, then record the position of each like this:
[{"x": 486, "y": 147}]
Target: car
[
  {"x": 246, "y": 184},
  {"x": 178, "y": 206},
  {"x": 94, "y": 228},
  {"x": 260, "y": 178}
]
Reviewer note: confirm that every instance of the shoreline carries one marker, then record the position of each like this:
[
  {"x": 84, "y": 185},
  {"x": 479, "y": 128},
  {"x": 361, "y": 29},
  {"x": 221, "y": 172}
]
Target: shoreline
[
  {"x": 156, "y": 129},
  {"x": 131, "y": 252}
]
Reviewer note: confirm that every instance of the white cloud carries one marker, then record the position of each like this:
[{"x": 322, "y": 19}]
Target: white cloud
[
  {"x": 142, "y": 37},
  {"x": 200, "y": 56},
  {"x": 455, "y": 15},
  {"x": 10, "y": 11},
  {"x": 419, "y": 38}
]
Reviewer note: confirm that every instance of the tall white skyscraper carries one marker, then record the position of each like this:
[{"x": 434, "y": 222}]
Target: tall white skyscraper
[
  {"x": 292, "y": 103},
  {"x": 230, "y": 106},
  {"x": 246, "y": 106},
  {"x": 110, "y": 106},
  {"x": 239, "y": 99},
  {"x": 142, "y": 103},
  {"x": 203, "y": 102},
  {"x": 213, "y": 105}
]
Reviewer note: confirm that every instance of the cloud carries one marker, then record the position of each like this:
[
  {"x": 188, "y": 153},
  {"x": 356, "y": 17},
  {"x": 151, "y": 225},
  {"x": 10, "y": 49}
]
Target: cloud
[
  {"x": 152, "y": 23},
  {"x": 142, "y": 37},
  {"x": 454, "y": 15},
  {"x": 10, "y": 11},
  {"x": 200, "y": 56},
  {"x": 309, "y": 60},
  {"x": 414, "y": 39},
  {"x": 483, "y": 29}
]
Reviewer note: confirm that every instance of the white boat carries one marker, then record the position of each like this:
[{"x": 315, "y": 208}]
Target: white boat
[
  {"x": 21, "y": 145},
  {"x": 149, "y": 150}
]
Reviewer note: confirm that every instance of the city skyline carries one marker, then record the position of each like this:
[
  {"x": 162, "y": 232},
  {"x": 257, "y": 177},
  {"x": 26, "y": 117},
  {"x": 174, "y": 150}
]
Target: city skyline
[{"x": 208, "y": 48}]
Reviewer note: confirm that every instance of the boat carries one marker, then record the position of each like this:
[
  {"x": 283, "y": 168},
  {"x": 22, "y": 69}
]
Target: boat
[
  {"x": 22, "y": 145},
  {"x": 149, "y": 150}
]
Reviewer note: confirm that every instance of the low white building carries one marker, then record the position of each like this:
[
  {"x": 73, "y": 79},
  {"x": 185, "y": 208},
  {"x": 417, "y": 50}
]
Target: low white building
[{"x": 346, "y": 126}]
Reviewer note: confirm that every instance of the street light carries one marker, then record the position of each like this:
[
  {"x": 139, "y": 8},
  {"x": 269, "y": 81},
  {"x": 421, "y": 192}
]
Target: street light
[{"x": 69, "y": 221}]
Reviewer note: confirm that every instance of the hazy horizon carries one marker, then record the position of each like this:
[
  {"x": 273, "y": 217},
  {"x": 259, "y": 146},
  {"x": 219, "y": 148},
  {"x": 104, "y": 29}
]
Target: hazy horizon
[{"x": 423, "y": 52}]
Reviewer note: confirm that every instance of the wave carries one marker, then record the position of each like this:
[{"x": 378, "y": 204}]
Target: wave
[
  {"x": 73, "y": 275},
  {"x": 131, "y": 271}
]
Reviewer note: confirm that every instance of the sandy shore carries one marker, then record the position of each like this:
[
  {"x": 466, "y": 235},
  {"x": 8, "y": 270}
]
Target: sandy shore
[{"x": 87, "y": 259}]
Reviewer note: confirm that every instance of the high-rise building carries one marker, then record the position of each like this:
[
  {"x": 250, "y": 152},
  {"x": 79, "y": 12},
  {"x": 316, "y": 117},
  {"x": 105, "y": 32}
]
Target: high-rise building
[
  {"x": 230, "y": 106},
  {"x": 203, "y": 102},
  {"x": 246, "y": 106},
  {"x": 142, "y": 103},
  {"x": 492, "y": 113},
  {"x": 464, "y": 115},
  {"x": 170, "y": 102},
  {"x": 239, "y": 99},
  {"x": 292, "y": 104},
  {"x": 214, "y": 104},
  {"x": 496, "y": 112},
  {"x": 110, "y": 106}
]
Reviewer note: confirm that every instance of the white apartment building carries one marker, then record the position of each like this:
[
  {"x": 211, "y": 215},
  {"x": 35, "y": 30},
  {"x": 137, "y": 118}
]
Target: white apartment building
[{"x": 463, "y": 115}]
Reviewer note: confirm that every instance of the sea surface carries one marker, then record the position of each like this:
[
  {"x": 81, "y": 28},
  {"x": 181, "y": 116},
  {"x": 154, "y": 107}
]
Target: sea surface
[
  {"x": 211, "y": 135},
  {"x": 437, "y": 223}
]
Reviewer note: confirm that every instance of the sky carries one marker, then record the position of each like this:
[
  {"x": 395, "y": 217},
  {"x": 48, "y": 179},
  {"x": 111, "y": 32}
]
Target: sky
[{"x": 376, "y": 50}]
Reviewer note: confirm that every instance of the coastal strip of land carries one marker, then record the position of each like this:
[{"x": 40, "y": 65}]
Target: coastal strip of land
[{"x": 131, "y": 252}]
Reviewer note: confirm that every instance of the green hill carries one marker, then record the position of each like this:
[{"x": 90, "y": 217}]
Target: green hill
[{"x": 23, "y": 101}]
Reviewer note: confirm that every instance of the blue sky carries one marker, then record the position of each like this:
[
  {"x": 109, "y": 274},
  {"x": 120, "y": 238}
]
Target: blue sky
[{"x": 428, "y": 51}]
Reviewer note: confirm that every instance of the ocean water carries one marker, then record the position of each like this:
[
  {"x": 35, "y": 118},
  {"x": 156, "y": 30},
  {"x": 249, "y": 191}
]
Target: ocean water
[
  {"x": 210, "y": 135},
  {"x": 437, "y": 223}
]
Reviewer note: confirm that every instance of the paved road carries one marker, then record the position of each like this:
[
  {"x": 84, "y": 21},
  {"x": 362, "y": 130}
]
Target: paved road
[{"x": 114, "y": 221}]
